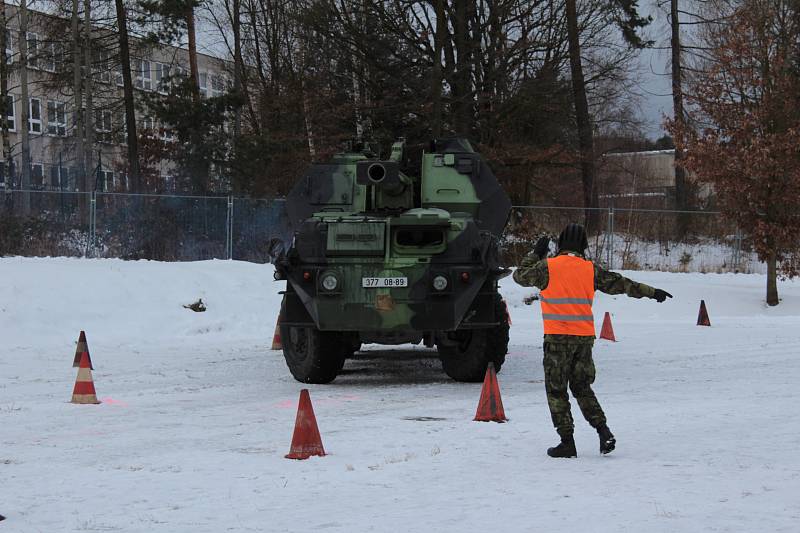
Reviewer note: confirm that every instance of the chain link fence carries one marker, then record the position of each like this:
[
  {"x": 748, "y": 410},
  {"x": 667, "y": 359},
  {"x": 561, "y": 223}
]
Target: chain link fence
[
  {"x": 190, "y": 228},
  {"x": 640, "y": 239},
  {"x": 138, "y": 226}
]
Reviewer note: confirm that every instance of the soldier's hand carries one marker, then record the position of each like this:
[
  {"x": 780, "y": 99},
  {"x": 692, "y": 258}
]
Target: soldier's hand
[
  {"x": 542, "y": 247},
  {"x": 660, "y": 295}
]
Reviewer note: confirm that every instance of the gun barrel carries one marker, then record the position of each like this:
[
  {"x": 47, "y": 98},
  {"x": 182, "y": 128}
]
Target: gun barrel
[
  {"x": 376, "y": 173},
  {"x": 385, "y": 175}
]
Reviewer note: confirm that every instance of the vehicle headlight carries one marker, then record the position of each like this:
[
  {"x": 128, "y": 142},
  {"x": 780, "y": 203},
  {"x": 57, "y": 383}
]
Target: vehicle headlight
[
  {"x": 440, "y": 283},
  {"x": 330, "y": 282}
]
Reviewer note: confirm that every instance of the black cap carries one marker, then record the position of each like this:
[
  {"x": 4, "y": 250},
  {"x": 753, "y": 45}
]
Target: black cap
[{"x": 573, "y": 239}]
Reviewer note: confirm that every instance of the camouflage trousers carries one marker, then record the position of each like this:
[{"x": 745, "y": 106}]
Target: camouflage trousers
[{"x": 570, "y": 366}]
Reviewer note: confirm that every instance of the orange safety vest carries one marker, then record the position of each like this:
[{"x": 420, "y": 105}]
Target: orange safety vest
[{"x": 567, "y": 300}]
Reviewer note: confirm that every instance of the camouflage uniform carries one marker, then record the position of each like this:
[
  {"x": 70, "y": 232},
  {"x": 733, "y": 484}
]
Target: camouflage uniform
[{"x": 568, "y": 360}]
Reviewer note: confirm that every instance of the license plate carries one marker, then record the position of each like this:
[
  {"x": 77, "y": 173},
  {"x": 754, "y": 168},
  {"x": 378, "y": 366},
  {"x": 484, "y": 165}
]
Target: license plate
[{"x": 379, "y": 283}]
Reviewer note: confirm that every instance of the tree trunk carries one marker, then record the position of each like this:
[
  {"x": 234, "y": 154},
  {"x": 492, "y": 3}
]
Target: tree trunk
[
  {"x": 193, "y": 68},
  {"x": 3, "y": 96},
  {"x": 77, "y": 88},
  {"x": 436, "y": 73},
  {"x": 585, "y": 137},
  {"x": 130, "y": 113},
  {"x": 461, "y": 90},
  {"x": 772, "y": 279},
  {"x": 238, "y": 67},
  {"x": 89, "y": 91},
  {"x": 199, "y": 167},
  {"x": 25, "y": 118},
  {"x": 307, "y": 118},
  {"x": 677, "y": 105}
]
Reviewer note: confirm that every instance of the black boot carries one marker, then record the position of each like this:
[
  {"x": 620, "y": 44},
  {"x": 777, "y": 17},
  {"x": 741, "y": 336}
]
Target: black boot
[
  {"x": 607, "y": 440},
  {"x": 565, "y": 449}
]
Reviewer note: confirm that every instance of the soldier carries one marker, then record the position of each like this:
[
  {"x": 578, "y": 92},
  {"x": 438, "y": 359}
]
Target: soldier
[{"x": 567, "y": 284}]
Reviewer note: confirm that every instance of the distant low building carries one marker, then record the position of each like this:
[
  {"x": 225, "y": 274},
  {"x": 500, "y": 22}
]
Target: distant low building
[{"x": 640, "y": 180}]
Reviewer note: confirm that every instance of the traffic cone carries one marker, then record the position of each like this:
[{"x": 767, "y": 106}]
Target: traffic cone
[
  {"x": 306, "y": 440},
  {"x": 82, "y": 347},
  {"x": 277, "y": 344},
  {"x": 702, "y": 316},
  {"x": 490, "y": 406},
  {"x": 607, "y": 331},
  {"x": 84, "y": 386}
]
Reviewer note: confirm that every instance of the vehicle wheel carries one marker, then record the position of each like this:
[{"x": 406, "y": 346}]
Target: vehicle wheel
[
  {"x": 313, "y": 356},
  {"x": 466, "y": 359}
]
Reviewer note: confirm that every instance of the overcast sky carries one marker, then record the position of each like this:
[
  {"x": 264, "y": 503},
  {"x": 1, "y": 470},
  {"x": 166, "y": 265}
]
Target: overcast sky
[{"x": 655, "y": 86}]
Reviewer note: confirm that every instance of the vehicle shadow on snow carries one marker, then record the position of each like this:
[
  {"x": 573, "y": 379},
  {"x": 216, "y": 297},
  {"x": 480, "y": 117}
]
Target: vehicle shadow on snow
[{"x": 393, "y": 367}]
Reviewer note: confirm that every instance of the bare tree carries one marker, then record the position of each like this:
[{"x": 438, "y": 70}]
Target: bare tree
[
  {"x": 88, "y": 90},
  {"x": 7, "y": 157},
  {"x": 77, "y": 90},
  {"x": 134, "y": 173},
  {"x": 25, "y": 118}
]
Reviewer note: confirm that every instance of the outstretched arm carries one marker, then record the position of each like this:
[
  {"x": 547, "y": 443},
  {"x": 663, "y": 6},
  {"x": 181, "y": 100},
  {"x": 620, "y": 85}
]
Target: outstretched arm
[{"x": 614, "y": 283}]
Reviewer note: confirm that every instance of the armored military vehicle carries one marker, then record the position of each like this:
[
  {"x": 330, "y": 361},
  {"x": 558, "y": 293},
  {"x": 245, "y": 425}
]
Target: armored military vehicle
[{"x": 389, "y": 252}]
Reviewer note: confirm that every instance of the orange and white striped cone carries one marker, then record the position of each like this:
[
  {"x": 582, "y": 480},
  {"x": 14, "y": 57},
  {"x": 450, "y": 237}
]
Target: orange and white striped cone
[
  {"x": 277, "y": 344},
  {"x": 84, "y": 385},
  {"x": 83, "y": 346}
]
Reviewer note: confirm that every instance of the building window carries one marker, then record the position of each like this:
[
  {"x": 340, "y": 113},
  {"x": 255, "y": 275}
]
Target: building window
[
  {"x": 49, "y": 60},
  {"x": 144, "y": 78},
  {"x": 7, "y": 173},
  {"x": 147, "y": 125},
  {"x": 11, "y": 115},
  {"x": 59, "y": 176},
  {"x": 162, "y": 79},
  {"x": 9, "y": 46},
  {"x": 33, "y": 50},
  {"x": 37, "y": 174},
  {"x": 166, "y": 134},
  {"x": 105, "y": 179},
  {"x": 102, "y": 125},
  {"x": 217, "y": 85},
  {"x": 56, "y": 118},
  {"x": 100, "y": 65},
  {"x": 203, "y": 83},
  {"x": 35, "y": 120},
  {"x": 118, "y": 75}
]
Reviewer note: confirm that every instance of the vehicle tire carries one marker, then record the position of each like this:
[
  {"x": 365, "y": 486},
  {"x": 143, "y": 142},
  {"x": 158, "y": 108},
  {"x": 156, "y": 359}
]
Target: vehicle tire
[
  {"x": 313, "y": 356},
  {"x": 467, "y": 358}
]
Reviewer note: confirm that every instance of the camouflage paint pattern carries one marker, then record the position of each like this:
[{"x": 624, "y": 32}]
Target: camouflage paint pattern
[
  {"x": 444, "y": 222},
  {"x": 570, "y": 367}
]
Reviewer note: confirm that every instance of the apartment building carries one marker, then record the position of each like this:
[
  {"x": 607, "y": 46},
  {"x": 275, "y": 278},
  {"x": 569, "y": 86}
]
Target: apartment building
[{"x": 51, "y": 105}]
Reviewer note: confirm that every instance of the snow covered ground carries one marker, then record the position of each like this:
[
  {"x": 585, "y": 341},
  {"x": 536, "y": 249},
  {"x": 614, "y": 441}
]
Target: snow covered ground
[{"x": 197, "y": 415}]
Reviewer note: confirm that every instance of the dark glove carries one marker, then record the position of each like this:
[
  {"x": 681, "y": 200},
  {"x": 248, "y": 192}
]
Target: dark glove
[
  {"x": 660, "y": 295},
  {"x": 542, "y": 247}
]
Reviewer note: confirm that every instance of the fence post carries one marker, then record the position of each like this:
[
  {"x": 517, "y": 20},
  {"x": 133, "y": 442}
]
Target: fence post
[
  {"x": 610, "y": 237},
  {"x": 92, "y": 222},
  {"x": 737, "y": 249},
  {"x": 229, "y": 234}
]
